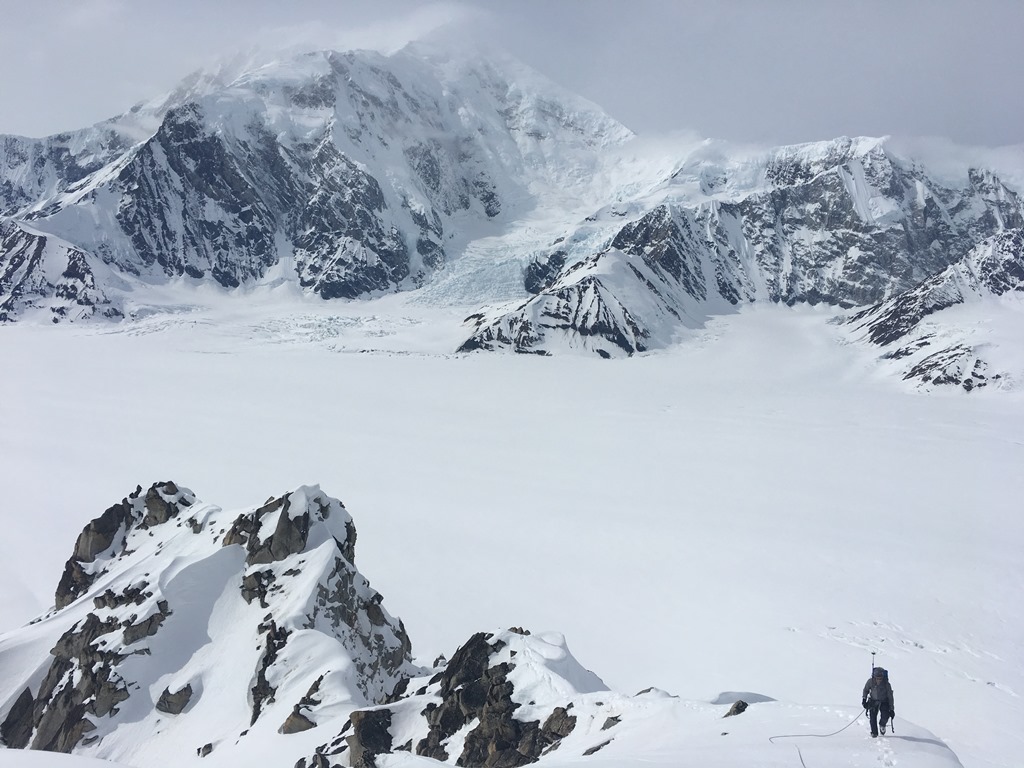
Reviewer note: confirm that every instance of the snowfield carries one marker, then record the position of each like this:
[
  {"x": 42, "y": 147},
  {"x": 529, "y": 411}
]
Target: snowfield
[{"x": 756, "y": 509}]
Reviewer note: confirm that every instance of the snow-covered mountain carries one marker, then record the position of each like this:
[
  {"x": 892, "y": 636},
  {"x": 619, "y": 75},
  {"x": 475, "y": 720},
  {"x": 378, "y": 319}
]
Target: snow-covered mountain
[
  {"x": 934, "y": 354},
  {"x": 349, "y": 174},
  {"x": 185, "y": 633},
  {"x": 846, "y": 222},
  {"x": 473, "y": 181}
]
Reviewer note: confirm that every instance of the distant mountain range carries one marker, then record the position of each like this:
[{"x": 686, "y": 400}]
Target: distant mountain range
[{"x": 352, "y": 175}]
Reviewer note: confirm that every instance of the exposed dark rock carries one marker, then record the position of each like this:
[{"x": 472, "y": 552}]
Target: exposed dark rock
[
  {"x": 174, "y": 703},
  {"x": 99, "y": 534},
  {"x": 342, "y": 602},
  {"x": 288, "y": 538},
  {"x": 147, "y": 627},
  {"x": 262, "y": 690},
  {"x": 85, "y": 684},
  {"x": 472, "y": 694},
  {"x": 243, "y": 527},
  {"x": 255, "y": 585},
  {"x": 399, "y": 691},
  {"x": 81, "y": 681},
  {"x": 678, "y": 260},
  {"x": 317, "y": 761},
  {"x": 74, "y": 581},
  {"x": 471, "y": 689},
  {"x": 297, "y": 721},
  {"x": 559, "y": 723},
  {"x": 738, "y": 708},
  {"x": 62, "y": 703},
  {"x": 133, "y": 595},
  {"x": 370, "y": 736},
  {"x": 993, "y": 267},
  {"x": 596, "y": 748},
  {"x": 159, "y": 509},
  {"x": 469, "y": 663},
  {"x": 541, "y": 273},
  {"x": 109, "y": 531},
  {"x": 611, "y": 722},
  {"x": 514, "y": 331},
  {"x": 16, "y": 728},
  {"x": 343, "y": 248},
  {"x": 587, "y": 308}
]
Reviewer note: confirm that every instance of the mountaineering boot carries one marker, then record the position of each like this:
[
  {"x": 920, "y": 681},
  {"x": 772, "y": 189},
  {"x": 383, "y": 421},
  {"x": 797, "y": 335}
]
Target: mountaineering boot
[{"x": 883, "y": 730}]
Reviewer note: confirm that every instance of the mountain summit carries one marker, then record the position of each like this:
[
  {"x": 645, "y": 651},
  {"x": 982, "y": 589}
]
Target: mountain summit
[
  {"x": 473, "y": 182},
  {"x": 350, "y": 174}
]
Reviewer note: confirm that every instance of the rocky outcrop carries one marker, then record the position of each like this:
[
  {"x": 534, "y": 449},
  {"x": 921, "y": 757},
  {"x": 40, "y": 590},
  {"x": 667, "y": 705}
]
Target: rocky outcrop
[
  {"x": 283, "y": 572},
  {"x": 16, "y": 729},
  {"x": 174, "y": 703},
  {"x": 298, "y": 720},
  {"x": 288, "y": 537},
  {"x": 370, "y": 737},
  {"x": 81, "y": 685},
  {"x": 737, "y": 708},
  {"x": 472, "y": 695},
  {"x": 105, "y": 536},
  {"x": 38, "y": 270},
  {"x": 263, "y": 691}
]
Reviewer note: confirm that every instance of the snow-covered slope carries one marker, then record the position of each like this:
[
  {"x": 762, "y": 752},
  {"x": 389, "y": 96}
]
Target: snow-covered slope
[
  {"x": 182, "y": 634},
  {"x": 511, "y": 698},
  {"x": 179, "y": 627},
  {"x": 935, "y": 350}
]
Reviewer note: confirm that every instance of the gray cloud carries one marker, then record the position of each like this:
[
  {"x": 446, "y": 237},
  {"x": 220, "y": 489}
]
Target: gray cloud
[{"x": 744, "y": 70}]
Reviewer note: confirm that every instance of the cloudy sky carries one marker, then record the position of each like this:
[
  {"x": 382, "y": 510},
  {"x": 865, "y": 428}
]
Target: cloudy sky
[{"x": 765, "y": 71}]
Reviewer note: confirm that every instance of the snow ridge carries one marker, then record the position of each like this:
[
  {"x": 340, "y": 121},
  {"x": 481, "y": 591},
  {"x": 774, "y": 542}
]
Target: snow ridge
[
  {"x": 182, "y": 632},
  {"x": 846, "y": 223},
  {"x": 178, "y": 625}
]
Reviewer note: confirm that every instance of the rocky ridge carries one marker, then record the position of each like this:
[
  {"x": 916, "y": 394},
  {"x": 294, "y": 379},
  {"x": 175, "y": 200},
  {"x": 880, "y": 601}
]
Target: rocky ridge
[
  {"x": 846, "y": 223},
  {"x": 927, "y": 353},
  {"x": 183, "y": 633},
  {"x": 183, "y": 630},
  {"x": 167, "y": 603},
  {"x": 481, "y": 708}
]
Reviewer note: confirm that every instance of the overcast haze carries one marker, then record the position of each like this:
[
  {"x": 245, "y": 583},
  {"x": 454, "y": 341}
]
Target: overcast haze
[{"x": 766, "y": 72}]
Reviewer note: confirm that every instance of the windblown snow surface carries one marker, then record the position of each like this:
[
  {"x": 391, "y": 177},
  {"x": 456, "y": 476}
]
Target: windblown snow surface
[{"x": 747, "y": 514}]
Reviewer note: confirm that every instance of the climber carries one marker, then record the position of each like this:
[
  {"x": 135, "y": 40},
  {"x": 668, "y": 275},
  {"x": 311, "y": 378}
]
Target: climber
[{"x": 877, "y": 699}]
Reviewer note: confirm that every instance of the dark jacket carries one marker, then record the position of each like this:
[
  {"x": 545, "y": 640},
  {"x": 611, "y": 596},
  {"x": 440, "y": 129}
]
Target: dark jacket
[{"x": 878, "y": 691}]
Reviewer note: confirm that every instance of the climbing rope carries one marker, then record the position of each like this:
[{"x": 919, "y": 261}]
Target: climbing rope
[{"x": 815, "y": 735}]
